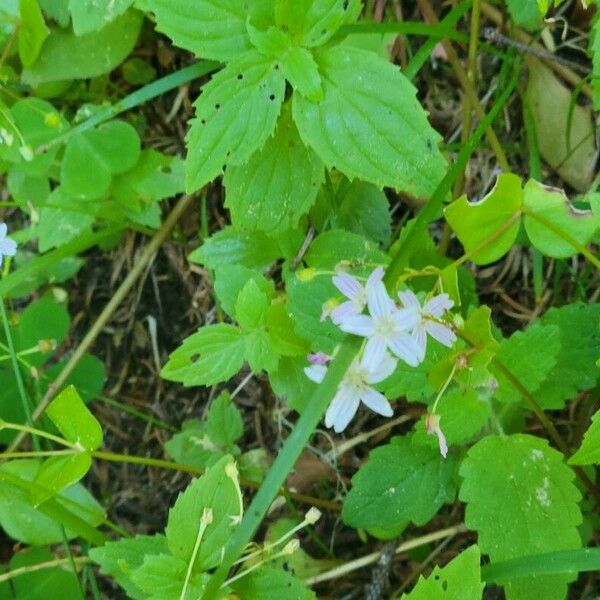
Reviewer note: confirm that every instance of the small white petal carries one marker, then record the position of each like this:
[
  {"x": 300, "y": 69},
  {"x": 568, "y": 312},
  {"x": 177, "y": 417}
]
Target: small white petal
[
  {"x": 375, "y": 277},
  {"x": 358, "y": 325},
  {"x": 343, "y": 407},
  {"x": 343, "y": 311},
  {"x": 384, "y": 369},
  {"x": 348, "y": 285},
  {"x": 438, "y": 305},
  {"x": 409, "y": 299},
  {"x": 377, "y": 402},
  {"x": 404, "y": 347},
  {"x": 419, "y": 334},
  {"x": 374, "y": 353},
  {"x": 441, "y": 333},
  {"x": 8, "y": 247},
  {"x": 316, "y": 373},
  {"x": 380, "y": 304},
  {"x": 442, "y": 442},
  {"x": 406, "y": 318},
  {"x": 3, "y": 230}
]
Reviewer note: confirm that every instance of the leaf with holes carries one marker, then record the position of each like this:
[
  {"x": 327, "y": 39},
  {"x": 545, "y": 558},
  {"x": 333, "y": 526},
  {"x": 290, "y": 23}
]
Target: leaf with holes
[
  {"x": 235, "y": 114},
  {"x": 521, "y": 500},
  {"x": 370, "y": 124}
]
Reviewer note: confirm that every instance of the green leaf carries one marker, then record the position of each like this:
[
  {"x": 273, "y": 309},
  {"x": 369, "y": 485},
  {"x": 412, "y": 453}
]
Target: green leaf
[
  {"x": 402, "y": 481},
  {"x": 589, "y": 451},
  {"x": 88, "y": 376},
  {"x": 270, "y": 583},
  {"x": 217, "y": 490},
  {"x": 460, "y": 579},
  {"x": 112, "y": 148},
  {"x": 530, "y": 356},
  {"x": 290, "y": 381},
  {"x": 487, "y": 229},
  {"x": 74, "y": 420},
  {"x": 277, "y": 186},
  {"x": 213, "y": 354},
  {"x": 32, "y": 31},
  {"x": 575, "y": 368},
  {"x": 58, "y": 10},
  {"x": 251, "y": 306},
  {"x": 526, "y": 13},
  {"x": 229, "y": 246},
  {"x": 549, "y": 212},
  {"x": 235, "y": 114},
  {"x": 120, "y": 559},
  {"x": 595, "y": 52},
  {"x": 363, "y": 122},
  {"x": 58, "y": 473},
  {"x": 192, "y": 446},
  {"x": 282, "y": 336},
  {"x": 214, "y": 29},
  {"x": 301, "y": 70},
  {"x": 271, "y": 42},
  {"x": 521, "y": 500},
  {"x": 97, "y": 53},
  {"x": 224, "y": 423},
  {"x": 92, "y": 15},
  {"x": 39, "y": 123},
  {"x": 259, "y": 352},
  {"x": 229, "y": 281}
]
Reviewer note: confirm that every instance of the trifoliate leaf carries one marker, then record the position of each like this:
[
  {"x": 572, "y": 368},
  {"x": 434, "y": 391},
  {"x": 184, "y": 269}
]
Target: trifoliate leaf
[
  {"x": 521, "y": 500},
  {"x": 217, "y": 490},
  {"x": 460, "y": 579},
  {"x": 363, "y": 122},
  {"x": 589, "y": 451},
  {"x": 402, "y": 481},
  {"x": 551, "y": 220},
  {"x": 235, "y": 114},
  {"x": 230, "y": 280},
  {"x": 213, "y": 354},
  {"x": 277, "y": 186},
  {"x": 487, "y": 229},
  {"x": 575, "y": 368},
  {"x": 270, "y": 583},
  {"x": 92, "y": 15},
  {"x": 530, "y": 356}
]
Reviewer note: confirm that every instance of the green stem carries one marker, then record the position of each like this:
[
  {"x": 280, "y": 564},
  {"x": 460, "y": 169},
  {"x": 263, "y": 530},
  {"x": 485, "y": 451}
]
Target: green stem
[
  {"x": 437, "y": 31},
  {"x": 34, "y": 431},
  {"x": 283, "y": 464}
]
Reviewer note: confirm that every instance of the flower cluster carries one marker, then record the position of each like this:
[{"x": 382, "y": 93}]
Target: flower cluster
[{"x": 392, "y": 332}]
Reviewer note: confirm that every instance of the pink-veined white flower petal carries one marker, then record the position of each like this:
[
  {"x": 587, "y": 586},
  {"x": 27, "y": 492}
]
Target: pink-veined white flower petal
[
  {"x": 377, "y": 402},
  {"x": 316, "y": 373},
  {"x": 342, "y": 408},
  {"x": 404, "y": 347},
  {"x": 358, "y": 325},
  {"x": 409, "y": 299},
  {"x": 348, "y": 285},
  {"x": 419, "y": 334},
  {"x": 375, "y": 277},
  {"x": 441, "y": 333},
  {"x": 8, "y": 247},
  {"x": 383, "y": 370},
  {"x": 343, "y": 311},
  {"x": 380, "y": 304},
  {"x": 374, "y": 352},
  {"x": 405, "y": 318},
  {"x": 438, "y": 305}
]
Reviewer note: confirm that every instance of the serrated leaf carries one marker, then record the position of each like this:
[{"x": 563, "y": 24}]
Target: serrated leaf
[
  {"x": 32, "y": 31},
  {"x": 112, "y": 148},
  {"x": 217, "y": 490},
  {"x": 487, "y": 229},
  {"x": 120, "y": 559},
  {"x": 277, "y": 186},
  {"x": 301, "y": 70},
  {"x": 530, "y": 356},
  {"x": 589, "y": 451},
  {"x": 402, "y": 481},
  {"x": 271, "y": 42},
  {"x": 460, "y": 579},
  {"x": 97, "y": 53},
  {"x": 363, "y": 122},
  {"x": 214, "y": 29},
  {"x": 259, "y": 352},
  {"x": 575, "y": 368},
  {"x": 251, "y": 306},
  {"x": 231, "y": 246},
  {"x": 235, "y": 114},
  {"x": 92, "y": 15},
  {"x": 224, "y": 423},
  {"x": 521, "y": 500},
  {"x": 547, "y": 212},
  {"x": 229, "y": 281},
  {"x": 213, "y": 354},
  {"x": 74, "y": 420},
  {"x": 192, "y": 446},
  {"x": 270, "y": 583},
  {"x": 282, "y": 336}
]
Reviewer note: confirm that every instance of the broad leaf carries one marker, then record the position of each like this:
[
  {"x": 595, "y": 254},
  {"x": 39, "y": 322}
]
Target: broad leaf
[
  {"x": 548, "y": 214},
  {"x": 235, "y": 114},
  {"x": 521, "y": 500},
  {"x": 364, "y": 123},
  {"x": 271, "y": 583},
  {"x": 259, "y": 352},
  {"x": 277, "y": 185},
  {"x": 92, "y": 15},
  {"x": 224, "y": 422},
  {"x": 251, "y": 306},
  {"x": 487, "y": 229},
  {"x": 526, "y": 13},
  {"x": 589, "y": 451},
  {"x": 301, "y": 70},
  {"x": 213, "y": 354},
  {"x": 229, "y": 281},
  {"x": 402, "y": 481},
  {"x": 460, "y": 579},
  {"x": 58, "y": 472},
  {"x": 32, "y": 31}
]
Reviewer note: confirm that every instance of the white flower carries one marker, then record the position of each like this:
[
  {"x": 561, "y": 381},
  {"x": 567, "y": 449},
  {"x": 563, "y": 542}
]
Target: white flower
[
  {"x": 354, "y": 389},
  {"x": 355, "y": 292},
  {"x": 386, "y": 327},
  {"x": 432, "y": 426},
  {"x": 8, "y": 247},
  {"x": 428, "y": 317},
  {"x": 318, "y": 366}
]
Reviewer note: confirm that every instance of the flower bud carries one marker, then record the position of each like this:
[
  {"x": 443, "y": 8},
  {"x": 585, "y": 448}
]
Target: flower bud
[
  {"x": 312, "y": 516},
  {"x": 305, "y": 275}
]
